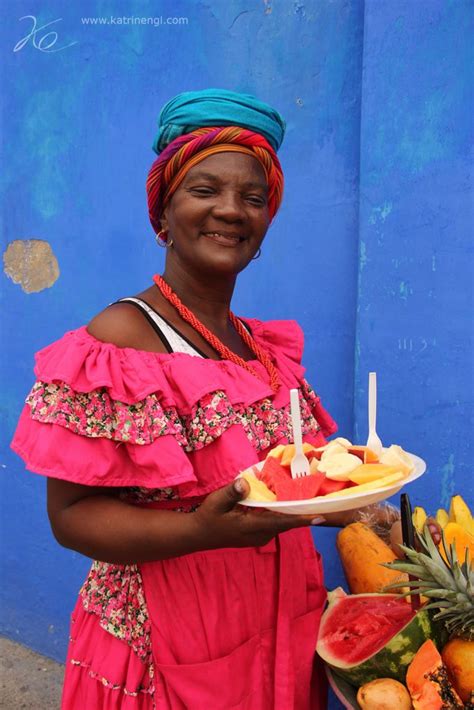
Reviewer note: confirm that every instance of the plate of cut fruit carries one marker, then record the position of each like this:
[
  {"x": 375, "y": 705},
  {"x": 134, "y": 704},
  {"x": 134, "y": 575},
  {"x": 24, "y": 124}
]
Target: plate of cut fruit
[{"x": 342, "y": 477}]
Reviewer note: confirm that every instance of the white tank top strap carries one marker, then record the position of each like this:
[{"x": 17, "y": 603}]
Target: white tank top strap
[{"x": 177, "y": 343}]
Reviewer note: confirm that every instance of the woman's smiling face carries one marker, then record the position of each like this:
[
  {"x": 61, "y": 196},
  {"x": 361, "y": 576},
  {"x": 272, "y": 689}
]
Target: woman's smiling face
[{"x": 218, "y": 216}]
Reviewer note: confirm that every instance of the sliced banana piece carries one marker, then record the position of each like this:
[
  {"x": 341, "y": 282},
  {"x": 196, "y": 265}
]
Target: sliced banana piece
[
  {"x": 338, "y": 440},
  {"x": 339, "y": 466},
  {"x": 333, "y": 449}
]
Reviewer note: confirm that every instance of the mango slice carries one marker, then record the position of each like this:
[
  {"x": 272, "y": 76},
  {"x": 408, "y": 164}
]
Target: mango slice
[
  {"x": 289, "y": 452},
  {"x": 371, "y": 472},
  {"x": 258, "y": 490},
  {"x": 277, "y": 452},
  {"x": 365, "y": 454},
  {"x": 459, "y": 513},
  {"x": 457, "y": 535},
  {"x": 380, "y": 483}
]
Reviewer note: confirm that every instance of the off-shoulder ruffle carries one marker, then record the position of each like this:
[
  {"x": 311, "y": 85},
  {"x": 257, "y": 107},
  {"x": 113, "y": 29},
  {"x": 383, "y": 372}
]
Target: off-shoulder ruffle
[
  {"x": 86, "y": 364},
  {"x": 160, "y": 420}
]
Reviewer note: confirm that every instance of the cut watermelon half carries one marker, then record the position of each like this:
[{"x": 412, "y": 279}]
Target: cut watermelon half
[{"x": 367, "y": 636}]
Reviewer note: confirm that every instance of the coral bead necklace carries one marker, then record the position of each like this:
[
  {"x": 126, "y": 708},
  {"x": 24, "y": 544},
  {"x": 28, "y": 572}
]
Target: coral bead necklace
[{"x": 214, "y": 341}]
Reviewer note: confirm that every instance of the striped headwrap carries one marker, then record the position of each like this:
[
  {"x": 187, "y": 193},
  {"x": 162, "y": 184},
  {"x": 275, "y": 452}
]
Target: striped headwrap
[{"x": 170, "y": 168}]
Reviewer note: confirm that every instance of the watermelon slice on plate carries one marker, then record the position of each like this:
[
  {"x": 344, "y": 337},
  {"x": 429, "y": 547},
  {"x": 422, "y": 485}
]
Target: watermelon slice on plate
[
  {"x": 272, "y": 472},
  {"x": 297, "y": 488}
]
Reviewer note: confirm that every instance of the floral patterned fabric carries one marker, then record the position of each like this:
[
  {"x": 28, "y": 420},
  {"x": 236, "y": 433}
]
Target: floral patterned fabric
[
  {"x": 115, "y": 594},
  {"x": 95, "y": 414}
]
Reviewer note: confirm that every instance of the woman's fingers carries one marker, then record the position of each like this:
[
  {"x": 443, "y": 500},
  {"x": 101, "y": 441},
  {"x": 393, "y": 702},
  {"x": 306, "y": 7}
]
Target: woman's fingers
[{"x": 225, "y": 499}]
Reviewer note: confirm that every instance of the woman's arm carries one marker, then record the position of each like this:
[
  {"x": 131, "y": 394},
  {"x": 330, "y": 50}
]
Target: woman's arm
[{"x": 96, "y": 523}]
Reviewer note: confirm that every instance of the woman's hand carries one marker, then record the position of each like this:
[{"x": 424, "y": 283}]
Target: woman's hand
[{"x": 221, "y": 522}]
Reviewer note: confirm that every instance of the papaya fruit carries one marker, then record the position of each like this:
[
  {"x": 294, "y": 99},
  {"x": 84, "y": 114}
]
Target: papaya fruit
[
  {"x": 428, "y": 682},
  {"x": 362, "y": 554}
]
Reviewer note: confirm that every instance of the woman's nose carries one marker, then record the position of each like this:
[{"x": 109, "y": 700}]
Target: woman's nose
[{"x": 228, "y": 205}]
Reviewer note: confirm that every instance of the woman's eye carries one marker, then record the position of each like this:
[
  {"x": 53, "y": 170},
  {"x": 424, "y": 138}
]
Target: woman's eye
[
  {"x": 202, "y": 190},
  {"x": 256, "y": 200}
]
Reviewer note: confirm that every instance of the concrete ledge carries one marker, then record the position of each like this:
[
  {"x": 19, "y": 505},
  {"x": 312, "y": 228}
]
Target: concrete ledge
[{"x": 28, "y": 681}]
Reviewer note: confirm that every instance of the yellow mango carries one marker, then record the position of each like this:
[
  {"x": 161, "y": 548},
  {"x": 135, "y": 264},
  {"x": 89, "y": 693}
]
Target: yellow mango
[
  {"x": 372, "y": 485},
  {"x": 313, "y": 465},
  {"x": 258, "y": 490},
  {"x": 442, "y": 517},
  {"x": 459, "y": 513},
  {"x": 289, "y": 452},
  {"x": 419, "y": 518},
  {"x": 368, "y": 472},
  {"x": 456, "y": 534},
  {"x": 277, "y": 452}
]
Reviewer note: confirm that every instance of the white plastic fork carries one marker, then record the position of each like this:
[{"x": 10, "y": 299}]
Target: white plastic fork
[
  {"x": 373, "y": 442},
  {"x": 299, "y": 463}
]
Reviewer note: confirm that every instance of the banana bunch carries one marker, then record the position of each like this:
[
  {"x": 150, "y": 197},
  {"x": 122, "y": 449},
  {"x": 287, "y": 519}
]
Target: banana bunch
[{"x": 457, "y": 525}]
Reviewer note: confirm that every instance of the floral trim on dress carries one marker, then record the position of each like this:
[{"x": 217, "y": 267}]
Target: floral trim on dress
[
  {"x": 115, "y": 594},
  {"x": 95, "y": 414},
  {"x": 116, "y": 686}
]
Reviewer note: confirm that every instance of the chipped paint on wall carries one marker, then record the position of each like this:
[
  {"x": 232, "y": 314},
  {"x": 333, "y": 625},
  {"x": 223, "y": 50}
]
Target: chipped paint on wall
[
  {"x": 404, "y": 290},
  {"x": 380, "y": 214},
  {"x": 31, "y": 263},
  {"x": 447, "y": 481}
]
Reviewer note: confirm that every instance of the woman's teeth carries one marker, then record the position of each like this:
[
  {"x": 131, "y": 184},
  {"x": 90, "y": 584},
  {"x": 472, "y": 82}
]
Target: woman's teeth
[{"x": 226, "y": 237}]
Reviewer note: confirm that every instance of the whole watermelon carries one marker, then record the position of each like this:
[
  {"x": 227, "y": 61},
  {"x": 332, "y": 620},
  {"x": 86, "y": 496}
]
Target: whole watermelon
[{"x": 367, "y": 636}]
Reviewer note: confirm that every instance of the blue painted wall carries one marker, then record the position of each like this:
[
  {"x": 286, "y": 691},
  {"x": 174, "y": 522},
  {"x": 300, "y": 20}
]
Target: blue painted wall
[{"x": 370, "y": 250}]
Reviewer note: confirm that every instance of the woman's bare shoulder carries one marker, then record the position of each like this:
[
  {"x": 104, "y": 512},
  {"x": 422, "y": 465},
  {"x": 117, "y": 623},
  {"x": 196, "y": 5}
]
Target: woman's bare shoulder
[{"x": 123, "y": 325}]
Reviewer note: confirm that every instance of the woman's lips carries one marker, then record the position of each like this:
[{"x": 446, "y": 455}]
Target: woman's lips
[{"x": 227, "y": 240}]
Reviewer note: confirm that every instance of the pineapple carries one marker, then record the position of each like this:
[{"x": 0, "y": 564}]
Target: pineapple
[{"x": 449, "y": 586}]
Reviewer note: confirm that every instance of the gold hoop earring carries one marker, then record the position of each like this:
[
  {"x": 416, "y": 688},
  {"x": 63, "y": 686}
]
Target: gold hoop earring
[
  {"x": 257, "y": 255},
  {"x": 161, "y": 238}
]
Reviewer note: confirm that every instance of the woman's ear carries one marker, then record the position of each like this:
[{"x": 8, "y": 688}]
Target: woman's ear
[{"x": 164, "y": 220}]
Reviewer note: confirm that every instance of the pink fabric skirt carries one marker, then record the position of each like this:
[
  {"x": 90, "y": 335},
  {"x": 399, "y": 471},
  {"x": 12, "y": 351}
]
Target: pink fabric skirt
[{"x": 231, "y": 628}]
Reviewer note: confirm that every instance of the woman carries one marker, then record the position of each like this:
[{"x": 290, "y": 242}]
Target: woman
[{"x": 141, "y": 422}]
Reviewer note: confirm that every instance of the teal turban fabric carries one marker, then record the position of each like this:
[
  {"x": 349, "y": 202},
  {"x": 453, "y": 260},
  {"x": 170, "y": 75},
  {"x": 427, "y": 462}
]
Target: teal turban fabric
[{"x": 217, "y": 107}]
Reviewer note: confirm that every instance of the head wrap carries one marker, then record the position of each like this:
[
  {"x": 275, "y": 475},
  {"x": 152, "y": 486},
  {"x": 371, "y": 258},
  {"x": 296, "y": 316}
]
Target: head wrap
[
  {"x": 197, "y": 124},
  {"x": 170, "y": 168},
  {"x": 217, "y": 107}
]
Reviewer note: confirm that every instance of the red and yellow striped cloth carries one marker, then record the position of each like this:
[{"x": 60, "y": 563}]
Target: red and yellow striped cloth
[{"x": 170, "y": 168}]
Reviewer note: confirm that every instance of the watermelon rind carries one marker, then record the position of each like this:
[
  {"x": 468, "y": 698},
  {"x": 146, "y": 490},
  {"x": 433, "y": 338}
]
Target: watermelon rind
[{"x": 392, "y": 660}]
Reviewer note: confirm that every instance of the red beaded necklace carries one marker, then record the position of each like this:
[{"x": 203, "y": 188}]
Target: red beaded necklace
[{"x": 213, "y": 340}]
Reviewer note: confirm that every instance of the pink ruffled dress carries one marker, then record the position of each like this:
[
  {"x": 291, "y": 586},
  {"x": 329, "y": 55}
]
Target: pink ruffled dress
[{"x": 215, "y": 630}]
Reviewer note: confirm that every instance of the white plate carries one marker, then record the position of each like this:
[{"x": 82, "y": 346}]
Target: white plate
[{"x": 336, "y": 505}]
